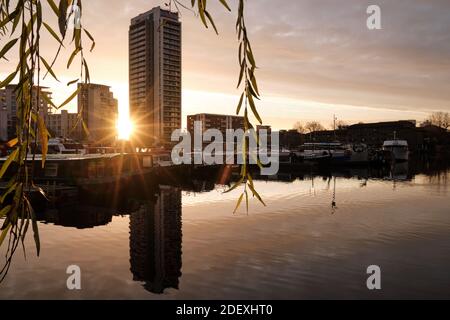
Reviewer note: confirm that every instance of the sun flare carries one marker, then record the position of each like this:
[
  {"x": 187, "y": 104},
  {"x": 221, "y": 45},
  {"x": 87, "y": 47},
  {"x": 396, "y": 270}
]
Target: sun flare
[{"x": 124, "y": 128}]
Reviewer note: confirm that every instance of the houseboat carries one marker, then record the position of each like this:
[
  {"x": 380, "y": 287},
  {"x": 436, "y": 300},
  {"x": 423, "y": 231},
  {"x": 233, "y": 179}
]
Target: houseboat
[
  {"x": 85, "y": 169},
  {"x": 65, "y": 146},
  {"x": 398, "y": 148},
  {"x": 334, "y": 153}
]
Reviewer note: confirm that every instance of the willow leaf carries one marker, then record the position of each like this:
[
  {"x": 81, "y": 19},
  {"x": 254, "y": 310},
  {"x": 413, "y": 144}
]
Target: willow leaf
[
  {"x": 54, "y": 7},
  {"x": 241, "y": 100},
  {"x": 237, "y": 184},
  {"x": 15, "y": 23},
  {"x": 12, "y": 157},
  {"x": 48, "y": 101},
  {"x": 10, "y": 17},
  {"x": 35, "y": 230},
  {"x": 53, "y": 33},
  {"x": 49, "y": 69},
  {"x": 39, "y": 15},
  {"x": 5, "y": 211},
  {"x": 241, "y": 75},
  {"x": 250, "y": 179},
  {"x": 253, "y": 80},
  {"x": 90, "y": 37},
  {"x": 72, "y": 82},
  {"x": 201, "y": 12},
  {"x": 85, "y": 127},
  {"x": 10, "y": 189},
  {"x": 225, "y": 4},
  {"x": 62, "y": 17},
  {"x": 246, "y": 199},
  {"x": 256, "y": 194},
  {"x": 238, "y": 204},
  {"x": 252, "y": 91},
  {"x": 8, "y": 79},
  {"x": 73, "y": 95},
  {"x": 7, "y": 47},
  {"x": 251, "y": 58},
  {"x": 86, "y": 71},
  {"x": 11, "y": 143},
  {"x": 212, "y": 21},
  {"x": 253, "y": 107},
  {"x": 240, "y": 54},
  {"x": 43, "y": 137},
  {"x": 73, "y": 55},
  {"x": 41, "y": 191},
  {"x": 4, "y": 233},
  {"x": 77, "y": 37},
  {"x": 24, "y": 233}
]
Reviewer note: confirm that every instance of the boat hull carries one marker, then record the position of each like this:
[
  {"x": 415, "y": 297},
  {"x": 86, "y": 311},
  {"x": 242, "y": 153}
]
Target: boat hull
[{"x": 400, "y": 155}]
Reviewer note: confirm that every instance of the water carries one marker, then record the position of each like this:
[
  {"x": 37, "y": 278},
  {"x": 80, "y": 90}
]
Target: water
[{"x": 315, "y": 239}]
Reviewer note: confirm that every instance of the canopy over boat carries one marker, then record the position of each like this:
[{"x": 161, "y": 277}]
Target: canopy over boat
[{"x": 395, "y": 143}]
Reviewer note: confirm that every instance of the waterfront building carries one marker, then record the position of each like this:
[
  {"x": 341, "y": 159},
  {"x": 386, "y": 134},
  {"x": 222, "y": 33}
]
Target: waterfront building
[
  {"x": 424, "y": 139},
  {"x": 8, "y": 102},
  {"x": 155, "y": 76},
  {"x": 220, "y": 122},
  {"x": 63, "y": 125},
  {"x": 290, "y": 139},
  {"x": 3, "y": 124},
  {"x": 99, "y": 111}
]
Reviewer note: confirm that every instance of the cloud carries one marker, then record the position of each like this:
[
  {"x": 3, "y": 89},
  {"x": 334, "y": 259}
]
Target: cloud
[{"x": 308, "y": 50}]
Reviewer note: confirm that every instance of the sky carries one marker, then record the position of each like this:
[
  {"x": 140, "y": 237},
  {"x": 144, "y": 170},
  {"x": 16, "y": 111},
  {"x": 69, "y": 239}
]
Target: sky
[{"x": 316, "y": 58}]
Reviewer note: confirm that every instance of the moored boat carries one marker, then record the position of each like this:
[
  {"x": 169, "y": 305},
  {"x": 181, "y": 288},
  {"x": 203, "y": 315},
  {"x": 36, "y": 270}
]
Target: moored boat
[
  {"x": 65, "y": 146},
  {"x": 398, "y": 148},
  {"x": 334, "y": 153}
]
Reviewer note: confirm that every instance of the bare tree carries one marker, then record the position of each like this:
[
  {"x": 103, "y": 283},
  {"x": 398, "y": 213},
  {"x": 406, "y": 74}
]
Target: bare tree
[
  {"x": 314, "y": 126},
  {"x": 299, "y": 127},
  {"x": 439, "y": 119}
]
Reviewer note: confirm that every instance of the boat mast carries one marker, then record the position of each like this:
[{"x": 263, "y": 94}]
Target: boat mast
[{"x": 334, "y": 127}]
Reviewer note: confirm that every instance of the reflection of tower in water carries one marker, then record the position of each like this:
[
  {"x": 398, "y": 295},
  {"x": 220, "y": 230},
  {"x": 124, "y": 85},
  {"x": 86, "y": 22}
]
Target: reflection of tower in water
[
  {"x": 155, "y": 241},
  {"x": 333, "y": 201}
]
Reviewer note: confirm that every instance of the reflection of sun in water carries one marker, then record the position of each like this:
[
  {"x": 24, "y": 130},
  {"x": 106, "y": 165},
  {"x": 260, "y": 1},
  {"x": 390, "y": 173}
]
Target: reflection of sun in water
[{"x": 124, "y": 127}]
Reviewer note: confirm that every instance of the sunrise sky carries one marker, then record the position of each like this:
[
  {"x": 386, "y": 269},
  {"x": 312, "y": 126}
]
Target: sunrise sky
[{"x": 316, "y": 58}]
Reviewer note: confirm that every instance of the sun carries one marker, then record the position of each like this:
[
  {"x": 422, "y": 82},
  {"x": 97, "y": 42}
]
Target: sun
[{"x": 124, "y": 128}]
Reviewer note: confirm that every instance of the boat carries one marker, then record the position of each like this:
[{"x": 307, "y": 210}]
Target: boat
[
  {"x": 316, "y": 152},
  {"x": 360, "y": 153},
  {"x": 162, "y": 160},
  {"x": 285, "y": 157},
  {"x": 334, "y": 153},
  {"x": 398, "y": 148},
  {"x": 65, "y": 146},
  {"x": 88, "y": 169}
]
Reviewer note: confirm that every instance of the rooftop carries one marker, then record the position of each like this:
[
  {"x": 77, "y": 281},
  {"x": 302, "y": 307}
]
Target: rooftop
[
  {"x": 214, "y": 115},
  {"x": 162, "y": 12}
]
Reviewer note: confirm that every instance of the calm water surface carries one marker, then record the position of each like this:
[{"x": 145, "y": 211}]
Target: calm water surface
[{"x": 315, "y": 239}]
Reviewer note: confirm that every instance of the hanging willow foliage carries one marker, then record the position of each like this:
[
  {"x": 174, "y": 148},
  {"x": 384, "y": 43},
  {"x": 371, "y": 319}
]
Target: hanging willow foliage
[
  {"x": 246, "y": 81},
  {"x": 25, "y": 18}
]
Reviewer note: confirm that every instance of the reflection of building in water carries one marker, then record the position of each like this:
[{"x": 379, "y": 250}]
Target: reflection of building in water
[
  {"x": 80, "y": 217},
  {"x": 202, "y": 186},
  {"x": 400, "y": 172},
  {"x": 155, "y": 241}
]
